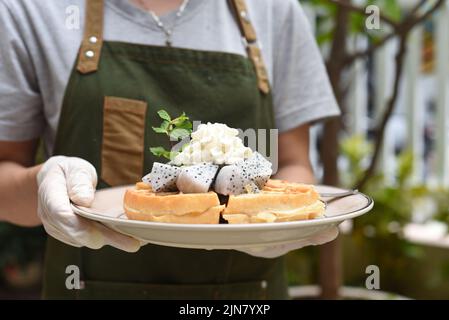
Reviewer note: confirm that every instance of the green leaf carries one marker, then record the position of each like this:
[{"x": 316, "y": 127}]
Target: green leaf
[
  {"x": 159, "y": 130},
  {"x": 393, "y": 9},
  {"x": 179, "y": 133},
  {"x": 180, "y": 120},
  {"x": 325, "y": 37},
  {"x": 161, "y": 152},
  {"x": 157, "y": 151},
  {"x": 164, "y": 115},
  {"x": 164, "y": 128},
  {"x": 165, "y": 124},
  {"x": 185, "y": 125},
  {"x": 357, "y": 23},
  {"x": 390, "y": 8},
  {"x": 182, "y": 116},
  {"x": 176, "y": 129}
]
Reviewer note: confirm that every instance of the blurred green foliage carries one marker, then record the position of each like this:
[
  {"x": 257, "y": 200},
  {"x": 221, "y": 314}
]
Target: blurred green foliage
[
  {"x": 392, "y": 211},
  {"x": 326, "y": 15},
  {"x": 395, "y": 200},
  {"x": 377, "y": 237},
  {"x": 380, "y": 233}
]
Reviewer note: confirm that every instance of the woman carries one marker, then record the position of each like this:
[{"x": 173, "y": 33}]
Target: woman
[{"x": 92, "y": 104}]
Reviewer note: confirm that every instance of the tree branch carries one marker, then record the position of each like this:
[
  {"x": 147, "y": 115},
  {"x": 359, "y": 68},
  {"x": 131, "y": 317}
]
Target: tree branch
[
  {"x": 330, "y": 267},
  {"x": 417, "y": 7},
  {"x": 412, "y": 20},
  {"x": 380, "y": 130},
  {"x": 402, "y": 29},
  {"x": 370, "y": 50},
  {"x": 403, "y": 32}
]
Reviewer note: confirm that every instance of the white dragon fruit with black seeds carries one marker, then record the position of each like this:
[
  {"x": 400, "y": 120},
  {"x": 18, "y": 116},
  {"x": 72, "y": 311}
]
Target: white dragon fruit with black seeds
[
  {"x": 229, "y": 181},
  {"x": 162, "y": 177},
  {"x": 247, "y": 176},
  {"x": 197, "y": 178},
  {"x": 258, "y": 169}
]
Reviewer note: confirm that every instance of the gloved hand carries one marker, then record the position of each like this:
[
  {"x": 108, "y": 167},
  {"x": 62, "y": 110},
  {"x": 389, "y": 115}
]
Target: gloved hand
[
  {"x": 279, "y": 250},
  {"x": 60, "y": 180}
]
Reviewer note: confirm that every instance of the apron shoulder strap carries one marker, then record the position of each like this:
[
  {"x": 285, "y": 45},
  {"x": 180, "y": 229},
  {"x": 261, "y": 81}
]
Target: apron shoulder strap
[
  {"x": 90, "y": 50},
  {"x": 250, "y": 38}
]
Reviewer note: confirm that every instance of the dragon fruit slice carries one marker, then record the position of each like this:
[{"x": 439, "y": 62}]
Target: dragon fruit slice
[
  {"x": 258, "y": 169},
  {"x": 162, "y": 177},
  {"x": 230, "y": 181},
  {"x": 247, "y": 176},
  {"x": 197, "y": 178}
]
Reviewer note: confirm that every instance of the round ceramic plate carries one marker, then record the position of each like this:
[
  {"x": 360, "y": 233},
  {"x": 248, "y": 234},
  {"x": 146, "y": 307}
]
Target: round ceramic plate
[{"x": 107, "y": 208}]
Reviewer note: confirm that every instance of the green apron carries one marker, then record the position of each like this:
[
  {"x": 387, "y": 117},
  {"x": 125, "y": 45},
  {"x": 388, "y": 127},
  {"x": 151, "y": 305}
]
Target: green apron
[{"x": 109, "y": 108}]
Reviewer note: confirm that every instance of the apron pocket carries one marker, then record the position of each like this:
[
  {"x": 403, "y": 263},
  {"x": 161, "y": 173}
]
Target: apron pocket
[
  {"x": 123, "y": 290},
  {"x": 122, "y": 149}
]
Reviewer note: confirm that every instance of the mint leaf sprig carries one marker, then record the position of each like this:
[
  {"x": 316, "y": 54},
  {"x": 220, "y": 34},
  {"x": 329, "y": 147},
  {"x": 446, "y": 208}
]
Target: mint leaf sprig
[{"x": 176, "y": 129}]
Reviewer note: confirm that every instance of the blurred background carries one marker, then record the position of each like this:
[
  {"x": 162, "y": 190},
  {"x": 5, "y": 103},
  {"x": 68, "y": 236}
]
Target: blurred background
[
  {"x": 389, "y": 65},
  {"x": 388, "y": 61}
]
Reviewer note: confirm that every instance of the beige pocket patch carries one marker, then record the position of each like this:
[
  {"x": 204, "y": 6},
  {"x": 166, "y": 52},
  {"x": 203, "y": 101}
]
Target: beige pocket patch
[{"x": 123, "y": 140}]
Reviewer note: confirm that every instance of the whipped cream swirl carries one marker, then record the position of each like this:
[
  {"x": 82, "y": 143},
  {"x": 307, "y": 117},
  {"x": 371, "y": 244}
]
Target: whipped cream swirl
[{"x": 213, "y": 143}]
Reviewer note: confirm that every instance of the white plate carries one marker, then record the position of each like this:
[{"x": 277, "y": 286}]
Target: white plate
[{"x": 107, "y": 208}]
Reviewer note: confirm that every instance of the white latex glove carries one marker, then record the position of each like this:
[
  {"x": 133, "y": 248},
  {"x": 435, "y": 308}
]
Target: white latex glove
[
  {"x": 60, "y": 180},
  {"x": 280, "y": 250}
]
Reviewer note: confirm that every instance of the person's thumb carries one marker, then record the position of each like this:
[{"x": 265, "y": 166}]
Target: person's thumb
[
  {"x": 81, "y": 179},
  {"x": 48, "y": 166}
]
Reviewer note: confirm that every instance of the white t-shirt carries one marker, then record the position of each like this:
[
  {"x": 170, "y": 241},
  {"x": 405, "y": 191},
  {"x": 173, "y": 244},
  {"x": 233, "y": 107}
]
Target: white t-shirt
[{"x": 39, "y": 41}]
